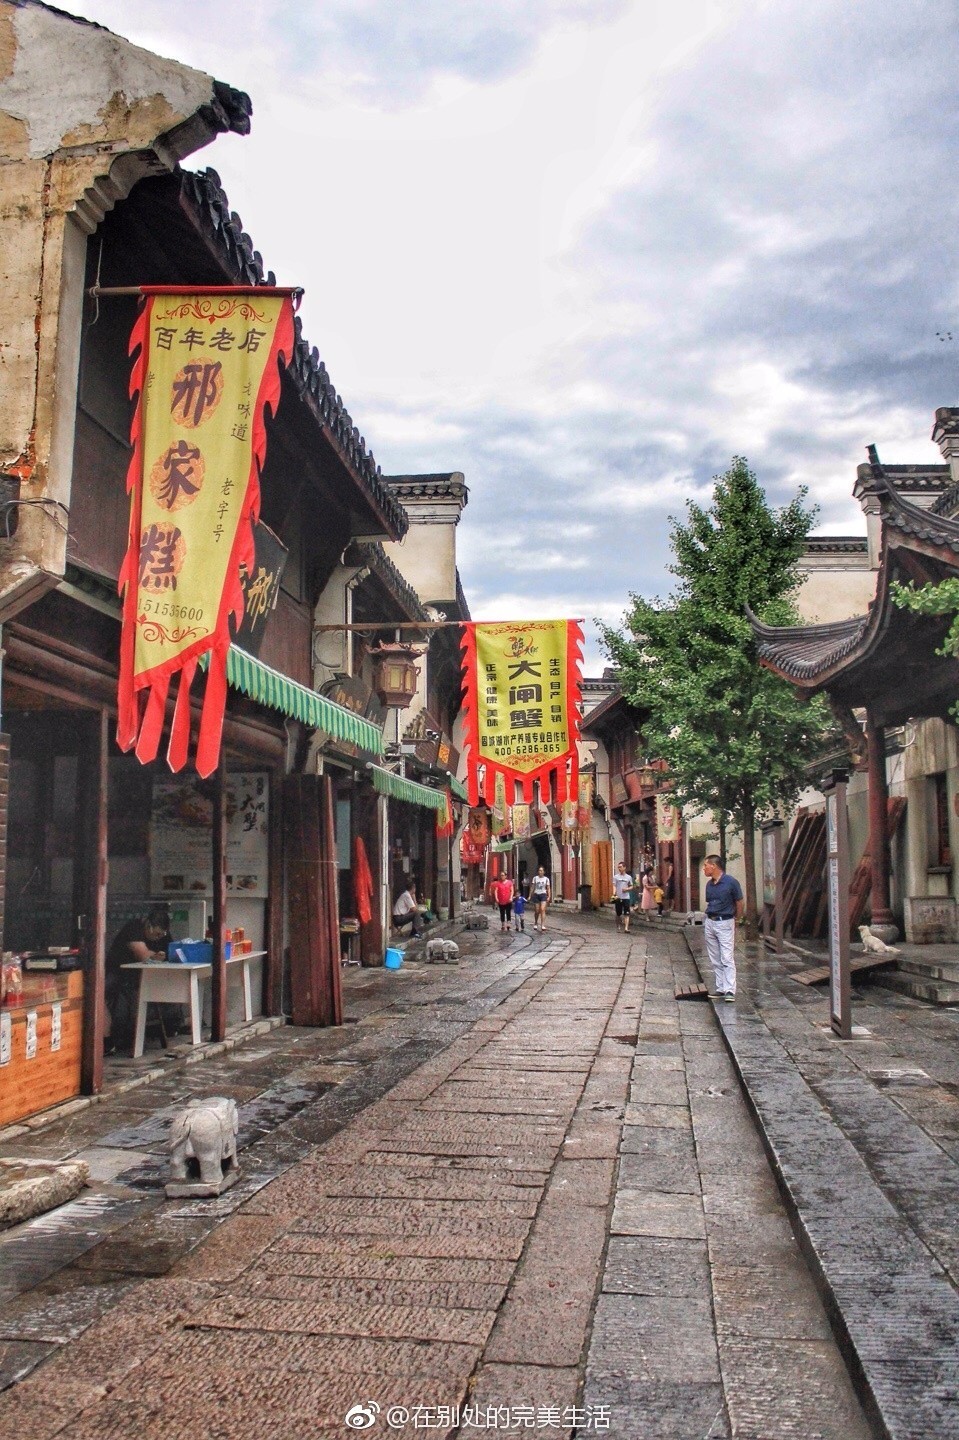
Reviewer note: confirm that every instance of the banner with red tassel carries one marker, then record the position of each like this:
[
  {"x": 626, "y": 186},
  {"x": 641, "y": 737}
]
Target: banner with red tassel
[
  {"x": 522, "y": 708},
  {"x": 207, "y": 367}
]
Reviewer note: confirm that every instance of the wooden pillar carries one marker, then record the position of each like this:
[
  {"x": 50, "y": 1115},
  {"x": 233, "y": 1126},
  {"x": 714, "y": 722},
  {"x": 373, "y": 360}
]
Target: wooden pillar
[
  {"x": 218, "y": 978},
  {"x": 273, "y": 931},
  {"x": 314, "y": 922},
  {"x": 367, "y": 822},
  {"x": 94, "y": 980},
  {"x": 880, "y": 911},
  {"x": 332, "y": 976}
]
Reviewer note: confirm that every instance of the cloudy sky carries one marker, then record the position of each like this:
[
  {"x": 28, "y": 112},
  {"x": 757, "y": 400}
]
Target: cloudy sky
[{"x": 587, "y": 250}]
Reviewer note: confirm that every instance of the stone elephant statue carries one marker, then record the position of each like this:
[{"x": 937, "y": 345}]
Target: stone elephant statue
[{"x": 205, "y": 1131}]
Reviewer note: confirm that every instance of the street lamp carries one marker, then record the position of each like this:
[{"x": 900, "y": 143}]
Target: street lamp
[{"x": 395, "y": 675}]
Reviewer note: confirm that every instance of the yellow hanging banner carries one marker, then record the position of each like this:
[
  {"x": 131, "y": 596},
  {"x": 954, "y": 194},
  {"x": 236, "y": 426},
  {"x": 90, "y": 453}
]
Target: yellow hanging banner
[
  {"x": 207, "y": 368},
  {"x": 522, "y": 705}
]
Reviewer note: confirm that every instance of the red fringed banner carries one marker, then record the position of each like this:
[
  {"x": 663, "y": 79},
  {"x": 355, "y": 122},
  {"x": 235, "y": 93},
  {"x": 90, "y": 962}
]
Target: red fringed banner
[
  {"x": 445, "y": 824},
  {"x": 522, "y": 706},
  {"x": 207, "y": 369}
]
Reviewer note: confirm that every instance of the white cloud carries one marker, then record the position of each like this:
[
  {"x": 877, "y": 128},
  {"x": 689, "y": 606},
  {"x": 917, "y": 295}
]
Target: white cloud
[{"x": 586, "y": 252}]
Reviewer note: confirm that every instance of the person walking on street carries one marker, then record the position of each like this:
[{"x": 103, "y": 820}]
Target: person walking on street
[
  {"x": 540, "y": 892},
  {"x": 648, "y": 900},
  {"x": 622, "y": 896},
  {"x": 503, "y": 894},
  {"x": 519, "y": 910},
  {"x": 724, "y": 906}
]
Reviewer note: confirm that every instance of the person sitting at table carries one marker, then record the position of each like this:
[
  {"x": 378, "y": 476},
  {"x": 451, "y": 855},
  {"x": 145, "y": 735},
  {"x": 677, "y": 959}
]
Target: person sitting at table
[
  {"x": 142, "y": 939},
  {"x": 407, "y": 912}
]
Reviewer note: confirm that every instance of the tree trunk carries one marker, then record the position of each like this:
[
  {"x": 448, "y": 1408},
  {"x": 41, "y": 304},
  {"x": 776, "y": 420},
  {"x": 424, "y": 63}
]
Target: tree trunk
[
  {"x": 750, "y": 919},
  {"x": 722, "y": 836}
]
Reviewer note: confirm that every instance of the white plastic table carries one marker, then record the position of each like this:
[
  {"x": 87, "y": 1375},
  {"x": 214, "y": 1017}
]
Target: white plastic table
[{"x": 165, "y": 982}]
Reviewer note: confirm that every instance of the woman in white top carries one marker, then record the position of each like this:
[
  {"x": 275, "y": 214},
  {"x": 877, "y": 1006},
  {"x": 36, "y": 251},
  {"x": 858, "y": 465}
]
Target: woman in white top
[{"x": 540, "y": 893}]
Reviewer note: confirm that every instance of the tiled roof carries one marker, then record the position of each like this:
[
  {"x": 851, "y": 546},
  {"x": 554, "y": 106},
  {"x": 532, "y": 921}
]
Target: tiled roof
[
  {"x": 934, "y": 529},
  {"x": 413, "y": 486},
  {"x": 807, "y": 653},
  {"x": 909, "y": 477},
  {"x": 804, "y": 651},
  {"x": 462, "y": 604},
  {"x": 372, "y": 553},
  {"x": 947, "y": 504},
  {"x": 306, "y": 370},
  {"x": 836, "y": 545}
]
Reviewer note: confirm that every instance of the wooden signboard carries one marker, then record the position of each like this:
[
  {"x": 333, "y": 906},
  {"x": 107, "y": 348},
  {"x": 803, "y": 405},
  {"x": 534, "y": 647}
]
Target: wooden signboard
[
  {"x": 772, "y": 853},
  {"x": 52, "y": 1031}
]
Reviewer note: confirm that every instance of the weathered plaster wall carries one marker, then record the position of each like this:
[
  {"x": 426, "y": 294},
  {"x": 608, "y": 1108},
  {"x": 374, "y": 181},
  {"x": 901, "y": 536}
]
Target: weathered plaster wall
[
  {"x": 834, "y": 591},
  {"x": 83, "y": 116}
]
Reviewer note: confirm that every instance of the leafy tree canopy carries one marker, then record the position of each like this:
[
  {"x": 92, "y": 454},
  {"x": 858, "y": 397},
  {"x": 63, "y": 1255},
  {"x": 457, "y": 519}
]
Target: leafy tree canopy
[{"x": 735, "y": 738}]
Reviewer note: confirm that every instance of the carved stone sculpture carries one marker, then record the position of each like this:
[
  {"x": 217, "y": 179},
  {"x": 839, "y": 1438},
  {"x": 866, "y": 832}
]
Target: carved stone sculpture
[{"x": 204, "y": 1133}]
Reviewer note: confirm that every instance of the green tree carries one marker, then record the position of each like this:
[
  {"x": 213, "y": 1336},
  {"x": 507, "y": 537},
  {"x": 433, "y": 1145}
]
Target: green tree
[{"x": 735, "y": 738}]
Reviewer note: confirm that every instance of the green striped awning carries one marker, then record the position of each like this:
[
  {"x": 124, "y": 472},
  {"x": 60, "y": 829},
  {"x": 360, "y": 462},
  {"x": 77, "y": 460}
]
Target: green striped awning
[
  {"x": 458, "y": 789},
  {"x": 268, "y": 687},
  {"x": 397, "y": 786}
]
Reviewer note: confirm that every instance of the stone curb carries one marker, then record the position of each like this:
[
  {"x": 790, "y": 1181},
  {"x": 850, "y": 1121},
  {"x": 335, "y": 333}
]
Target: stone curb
[
  {"x": 893, "y": 1310},
  {"x": 194, "y": 1056}
]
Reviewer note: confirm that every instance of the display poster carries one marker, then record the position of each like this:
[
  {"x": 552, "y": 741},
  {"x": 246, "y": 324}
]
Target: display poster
[
  {"x": 479, "y": 827},
  {"x": 667, "y": 820},
  {"x": 521, "y": 823},
  {"x": 31, "y": 1035},
  {"x": 56, "y": 1026},
  {"x": 181, "y": 836},
  {"x": 500, "y": 808},
  {"x": 6, "y": 1038},
  {"x": 584, "y": 802}
]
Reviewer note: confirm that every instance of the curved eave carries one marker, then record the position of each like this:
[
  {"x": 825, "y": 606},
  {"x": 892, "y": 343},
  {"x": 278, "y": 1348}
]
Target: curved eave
[{"x": 808, "y": 655}]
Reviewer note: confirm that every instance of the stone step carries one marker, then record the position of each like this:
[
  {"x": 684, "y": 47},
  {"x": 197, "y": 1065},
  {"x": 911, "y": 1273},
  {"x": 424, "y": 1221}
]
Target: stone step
[
  {"x": 931, "y": 969},
  {"x": 937, "y": 992}
]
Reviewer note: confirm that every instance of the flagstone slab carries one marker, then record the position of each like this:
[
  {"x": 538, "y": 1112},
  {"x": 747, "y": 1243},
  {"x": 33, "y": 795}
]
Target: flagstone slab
[{"x": 408, "y": 1322}]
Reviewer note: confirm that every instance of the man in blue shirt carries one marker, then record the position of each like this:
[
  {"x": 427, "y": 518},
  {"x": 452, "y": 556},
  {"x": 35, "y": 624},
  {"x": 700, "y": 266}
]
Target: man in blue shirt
[{"x": 724, "y": 906}]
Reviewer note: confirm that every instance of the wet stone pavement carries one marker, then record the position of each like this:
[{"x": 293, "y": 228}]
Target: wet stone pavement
[
  {"x": 521, "y": 1193},
  {"x": 864, "y": 1139}
]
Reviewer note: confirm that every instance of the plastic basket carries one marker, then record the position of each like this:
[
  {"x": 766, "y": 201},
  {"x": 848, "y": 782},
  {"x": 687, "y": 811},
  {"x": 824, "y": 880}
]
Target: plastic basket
[{"x": 393, "y": 960}]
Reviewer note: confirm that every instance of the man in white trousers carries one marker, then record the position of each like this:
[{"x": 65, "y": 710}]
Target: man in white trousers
[{"x": 724, "y": 906}]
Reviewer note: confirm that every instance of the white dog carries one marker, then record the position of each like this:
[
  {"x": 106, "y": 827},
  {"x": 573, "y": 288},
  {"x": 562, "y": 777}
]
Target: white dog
[{"x": 873, "y": 945}]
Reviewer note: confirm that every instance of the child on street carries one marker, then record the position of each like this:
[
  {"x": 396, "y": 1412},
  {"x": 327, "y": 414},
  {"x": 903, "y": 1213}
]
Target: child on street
[{"x": 519, "y": 910}]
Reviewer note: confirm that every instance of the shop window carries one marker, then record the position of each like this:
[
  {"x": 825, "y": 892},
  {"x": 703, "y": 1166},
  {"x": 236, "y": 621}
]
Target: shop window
[
  {"x": 343, "y": 858},
  {"x": 940, "y": 849}
]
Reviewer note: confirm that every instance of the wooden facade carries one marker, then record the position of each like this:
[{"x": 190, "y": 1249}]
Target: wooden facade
[{"x": 84, "y": 810}]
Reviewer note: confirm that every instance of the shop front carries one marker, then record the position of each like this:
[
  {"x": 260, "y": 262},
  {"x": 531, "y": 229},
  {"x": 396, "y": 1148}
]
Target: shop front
[{"x": 98, "y": 841}]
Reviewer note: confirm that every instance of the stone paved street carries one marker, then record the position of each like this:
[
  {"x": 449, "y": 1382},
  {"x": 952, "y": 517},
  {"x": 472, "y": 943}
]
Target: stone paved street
[{"x": 539, "y": 1187}]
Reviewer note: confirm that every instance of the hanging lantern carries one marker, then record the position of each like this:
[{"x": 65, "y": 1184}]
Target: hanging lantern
[{"x": 394, "y": 673}]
